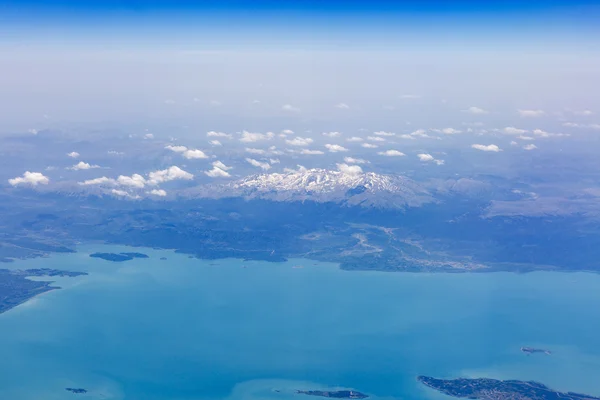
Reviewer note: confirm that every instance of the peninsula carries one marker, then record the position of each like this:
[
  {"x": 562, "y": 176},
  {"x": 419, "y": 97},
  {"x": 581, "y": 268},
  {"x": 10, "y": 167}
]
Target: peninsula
[{"x": 494, "y": 389}]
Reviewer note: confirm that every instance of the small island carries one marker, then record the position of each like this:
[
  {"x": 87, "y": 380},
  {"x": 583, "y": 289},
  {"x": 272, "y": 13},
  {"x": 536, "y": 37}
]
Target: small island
[
  {"x": 118, "y": 257},
  {"x": 16, "y": 289},
  {"x": 494, "y": 389},
  {"x": 76, "y": 390},
  {"x": 336, "y": 394},
  {"x": 532, "y": 350}
]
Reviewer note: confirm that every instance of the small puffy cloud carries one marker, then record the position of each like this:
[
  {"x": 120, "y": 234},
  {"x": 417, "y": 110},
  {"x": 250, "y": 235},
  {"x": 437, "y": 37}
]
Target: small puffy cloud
[
  {"x": 135, "y": 181},
  {"x": 215, "y": 143},
  {"x": 115, "y": 153},
  {"x": 170, "y": 174},
  {"x": 299, "y": 141},
  {"x": 424, "y": 157},
  {"x": 30, "y": 178},
  {"x": 255, "y": 151},
  {"x": 572, "y": 125},
  {"x": 290, "y": 108},
  {"x": 99, "y": 181},
  {"x": 489, "y": 147},
  {"x": 530, "y": 146},
  {"x": 369, "y": 146},
  {"x": 331, "y": 134},
  {"x": 218, "y": 134},
  {"x": 287, "y": 132},
  {"x": 476, "y": 110},
  {"x": 120, "y": 193},
  {"x": 148, "y": 136},
  {"x": 219, "y": 164},
  {"x": 531, "y": 113},
  {"x": 420, "y": 133},
  {"x": 73, "y": 154},
  {"x": 311, "y": 152},
  {"x": 194, "y": 154},
  {"x": 522, "y": 137},
  {"x": 83, "y": 165},
  {"x": 335, "y": 148},
  {"x": 350, "y": 169},
  {"x": 274, "y": 161},
  {"x": 376, "y": 138},
  {"x": 391, "y": 153},
  {"x": 513, "y": 143},
  {"x": 342, "y": 106},
  {"x": 584, "y": 113},
  {"x": 355, "y": 139},
  {"x": 158, "y": 192},
  {"x": 352, "y": 160},
  {"x": 406, "y": 136},
  {"x": 176, "y": 149},
  {"x": 262, "y": 165},
  {"x": 301, "y": 168},
  {"x": 219, "y": 170},
  {"x": 383, "y": 133},
  {"x": 450, "y": 131},
  {"x": 511, "y": 130},
  {"x": 249, "y": 137}
]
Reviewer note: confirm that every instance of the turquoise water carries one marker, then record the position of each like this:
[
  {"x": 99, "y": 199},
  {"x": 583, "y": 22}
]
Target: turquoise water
[{"x": 184, "y": 328}]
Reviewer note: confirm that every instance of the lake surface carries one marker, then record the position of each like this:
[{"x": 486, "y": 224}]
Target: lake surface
[{"x": 184, "y": 328}]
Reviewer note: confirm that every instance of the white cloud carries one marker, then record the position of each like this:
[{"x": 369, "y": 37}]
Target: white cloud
[
  {"x": 335, "y": 148},
  {"x": 215, "y": 103},
  {"x": 99, "y": 181},
  {"x": 511, "y": 130},
  {"x": 135, "y": 181},
  {"x": 73, "y": 154},
  {"x": 376, "y": 138},
  {"x": 369, "y": 146},
  {"x": 263, "y": 165},
  {"x": 420, "y": 133},
  {"x": 525, "y": 137},
  {"x": 424, "y": 157},
  {"x": 489, "y": 147},
  {"x": 475, "y": 110},
  {"x": 594, "y": 126},
  {"x": 311, "y": 152},
  {"x": 450, "y": 131},
  {"x": 121, "y": 193},
  {"x": 169, "y": 174},
  {"x": 83, "y": 165},
  {"x": 148, "y": 136},
  {"x": 255, "y": 151},
  {"x": 531, "y": 113},
  {"x": 176, "y": 149},
  {"x": 383, "y": 133},
  {"x": 342, "y": 106},
  {"x": 115, "y": 153},
  {"x": 406, "y": 136},
  {"x": 298, "y": 141},
  {"x": 249, "y": 137},
  {"x": 350, "y": 169},
  {"x": 530, "y": 146},
  {"x": 219, "y": 134},
  {"x": 30, "y": 178},
  {"x": 194, "y": 154},
  {"x": 332, "y": 134},
  {"x": 287, "y": 132},
  {"x": 219, "y": 170},
  {"x": 219, "y": 164},
  {"x": 513, "y": 143},
  {"x": 391, "y": 153},
  {"x": 290, "y": 108},
  {"x": 572, "y": 125},
  {"x": 215, "y": 143},
  {"x": 355, "y": 139},
  {"x": 585, "y": 113},
  {"x": 158, "y": 192},
  {"x": 301, "y": 168},
  {"x": 352, "y": 160}
]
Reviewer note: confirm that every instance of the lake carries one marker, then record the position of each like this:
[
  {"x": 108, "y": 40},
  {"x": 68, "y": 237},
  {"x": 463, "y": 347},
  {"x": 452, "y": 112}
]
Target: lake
[{"x": 184, "y": 328}]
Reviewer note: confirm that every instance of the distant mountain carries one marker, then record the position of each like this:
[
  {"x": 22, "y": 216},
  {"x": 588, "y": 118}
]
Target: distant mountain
[{"x": 320, "y": 185}]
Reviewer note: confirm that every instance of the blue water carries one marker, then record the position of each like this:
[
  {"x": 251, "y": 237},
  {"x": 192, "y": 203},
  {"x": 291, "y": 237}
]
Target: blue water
[{"x": 182, "y": 328}]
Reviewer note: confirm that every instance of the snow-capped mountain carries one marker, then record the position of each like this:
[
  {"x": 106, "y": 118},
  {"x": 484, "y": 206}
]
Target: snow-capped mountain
[{"x": 320, "y": 185}]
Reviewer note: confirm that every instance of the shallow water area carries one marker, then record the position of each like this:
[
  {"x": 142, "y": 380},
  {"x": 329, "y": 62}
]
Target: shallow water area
[{"x": 184, "y": 328}]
